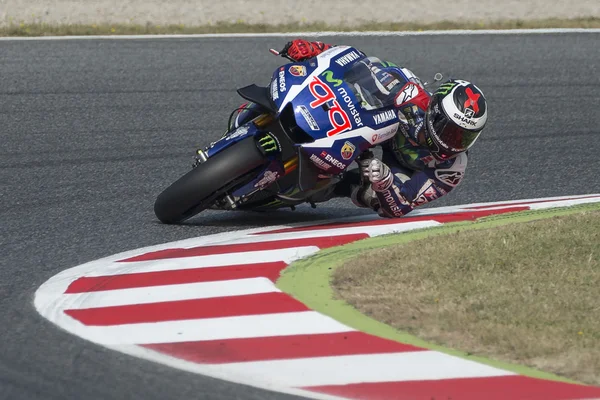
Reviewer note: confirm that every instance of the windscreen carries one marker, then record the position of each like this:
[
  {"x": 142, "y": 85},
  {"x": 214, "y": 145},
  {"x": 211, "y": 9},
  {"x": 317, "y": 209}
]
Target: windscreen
[{"x": 373, "y": 87}]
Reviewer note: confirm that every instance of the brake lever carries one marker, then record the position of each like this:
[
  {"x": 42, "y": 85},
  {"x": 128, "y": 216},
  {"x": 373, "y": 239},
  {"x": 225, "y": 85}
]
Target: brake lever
[{"x": 277, "y": 53}]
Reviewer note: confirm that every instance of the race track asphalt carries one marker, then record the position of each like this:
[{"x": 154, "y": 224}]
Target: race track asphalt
[{"x": 92, "y": 130}]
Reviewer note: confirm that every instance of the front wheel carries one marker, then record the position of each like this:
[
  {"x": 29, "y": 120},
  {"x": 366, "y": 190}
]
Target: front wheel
[{"x": 199, "y": 188}]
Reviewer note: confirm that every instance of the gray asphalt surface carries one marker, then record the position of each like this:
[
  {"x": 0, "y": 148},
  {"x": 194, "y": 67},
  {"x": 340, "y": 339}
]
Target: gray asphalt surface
[{"x": 91, "y": 131}]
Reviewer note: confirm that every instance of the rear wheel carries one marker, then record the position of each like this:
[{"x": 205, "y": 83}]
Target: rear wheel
[{"x": 199, "y": 188}]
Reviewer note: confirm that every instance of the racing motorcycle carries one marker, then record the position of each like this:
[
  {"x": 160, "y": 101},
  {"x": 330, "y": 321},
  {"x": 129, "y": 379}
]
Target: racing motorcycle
[{"x": 314, "y": 119}]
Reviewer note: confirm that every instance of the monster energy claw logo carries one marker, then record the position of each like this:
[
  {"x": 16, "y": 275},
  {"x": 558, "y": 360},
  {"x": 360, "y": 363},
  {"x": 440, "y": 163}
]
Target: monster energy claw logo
[
  {"x": 445, "y": 88},
  {"x": 268, "y": 143},
  {"x": 329, "y": 78}
]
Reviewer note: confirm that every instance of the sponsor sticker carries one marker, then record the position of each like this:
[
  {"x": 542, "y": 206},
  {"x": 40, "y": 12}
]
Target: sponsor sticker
[
  {"x": 281, "y": 75},
  {"x": 334, "y": 161},
  {"x": 465, "y": 120},
  {"x": 347, "y": 58},
  {"x": 385, "y": 133},
  {"x": 445, "y": 88},
  {"x": 353, "y": 111},
  {"x": 274, "y": 91},
  {"x": 347, "y": 150},
  {"x": 391, "y": 202},
  {"x": 319, "y": 163},
  {"x": 408, "y": 93},
  {"x": 310, "y": 120},
  {"x": 330, "y": 79},
  {"x": 449, "y": 178},
  {"x": 337, "y": 116},
  {"x": 268, "y": 178},
  {"x": 298, "y": 70},
  {"x": 426, "y": 196},
  {"x": 241, "y": 131},
  {"x": 384, "y": 117}
]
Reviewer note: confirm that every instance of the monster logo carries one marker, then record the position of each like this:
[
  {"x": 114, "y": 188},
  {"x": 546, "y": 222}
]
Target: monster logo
[
  {"x": 268, "y": 143},
  {"x": 445, "y": 88}
]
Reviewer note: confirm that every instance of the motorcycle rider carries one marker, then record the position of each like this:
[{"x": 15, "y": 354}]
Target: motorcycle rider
[{"x": 427, "y": 157}]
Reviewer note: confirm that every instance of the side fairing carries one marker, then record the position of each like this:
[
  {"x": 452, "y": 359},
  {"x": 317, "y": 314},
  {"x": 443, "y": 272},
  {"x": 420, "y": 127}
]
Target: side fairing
[{"x": 327, "y": 106}]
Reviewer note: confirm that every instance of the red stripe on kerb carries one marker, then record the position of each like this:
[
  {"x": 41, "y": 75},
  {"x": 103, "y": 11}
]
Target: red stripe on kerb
[
  {"x": 280, "y": 347},
  {"x": 218, "y": 307},
  {"x": 321, "y": 242},
  {"x": 493, "y": 388},
  {"x": 442, "y": 218},
  {"x": 176, "y": 277}
]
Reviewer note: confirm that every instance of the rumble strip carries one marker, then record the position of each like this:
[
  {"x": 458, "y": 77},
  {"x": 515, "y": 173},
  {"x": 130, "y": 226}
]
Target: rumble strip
[{"x": 209, "y": 305}]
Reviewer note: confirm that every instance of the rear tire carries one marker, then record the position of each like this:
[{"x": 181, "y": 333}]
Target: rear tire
[{"x": 199, "y": 188}]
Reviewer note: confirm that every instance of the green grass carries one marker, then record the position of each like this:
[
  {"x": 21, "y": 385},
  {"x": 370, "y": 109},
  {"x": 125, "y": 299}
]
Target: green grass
[
  {"x": 309, "y": 280},
  {"x": 23, "y": 28},
  {"x": 524, "y": 293}
]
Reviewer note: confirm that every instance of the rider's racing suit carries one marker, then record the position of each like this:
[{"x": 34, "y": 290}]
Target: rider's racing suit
[{"x": 417, "y": 176}]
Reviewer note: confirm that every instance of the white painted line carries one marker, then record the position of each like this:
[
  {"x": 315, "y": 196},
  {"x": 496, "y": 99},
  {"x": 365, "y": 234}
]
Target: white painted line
[
  {"x": 564, "y": 203},
  {"x": 342, "y": 370},
  {"x": 324, "y": 33},
  {"x": 217, "y": 260},
  {"x": 251, "y": 326},
  {"x": 158, "y": 294},
  {"x": 551, "y": 201}
]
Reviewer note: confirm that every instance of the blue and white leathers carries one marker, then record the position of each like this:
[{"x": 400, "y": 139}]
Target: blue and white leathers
[{"x": 418, "y": 177}]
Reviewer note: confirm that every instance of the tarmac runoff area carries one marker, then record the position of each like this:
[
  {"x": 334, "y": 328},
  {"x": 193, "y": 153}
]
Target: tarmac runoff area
[
  {"x": 333, "y": 12},
  {"x": 209, "y": 305}
]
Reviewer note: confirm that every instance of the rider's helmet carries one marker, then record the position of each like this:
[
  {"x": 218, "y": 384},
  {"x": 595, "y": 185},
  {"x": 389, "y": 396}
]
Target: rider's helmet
[{"x": 456, "y": 115}]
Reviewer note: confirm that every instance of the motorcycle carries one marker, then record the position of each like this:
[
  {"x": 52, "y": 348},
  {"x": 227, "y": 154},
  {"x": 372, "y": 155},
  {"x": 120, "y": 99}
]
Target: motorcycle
[{"x": 314, "y": 119}]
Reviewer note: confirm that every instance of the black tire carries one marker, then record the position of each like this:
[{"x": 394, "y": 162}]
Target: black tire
[{"x": 199, "y": 188}]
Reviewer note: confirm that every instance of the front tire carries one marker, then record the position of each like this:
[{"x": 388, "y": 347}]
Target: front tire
[{"x": 200, "y": 187}]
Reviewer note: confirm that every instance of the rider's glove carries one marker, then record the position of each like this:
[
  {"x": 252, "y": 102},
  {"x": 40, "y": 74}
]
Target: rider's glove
[
  {"x": 301, "y": 49},
  {"x": 376, "y": 172}
]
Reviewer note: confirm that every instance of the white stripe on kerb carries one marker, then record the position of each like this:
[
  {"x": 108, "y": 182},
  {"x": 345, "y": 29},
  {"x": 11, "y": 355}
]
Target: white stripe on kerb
[
  {"x": 159, "y": 294},
  {"x": 371, "y": 230},
  {"x": 324, "y": 33},
  {"x": 564, "y": 203},
  {"x": 251, "y": 326},
  {"x": 217, "y": 260},
  {"x": 342, "y": 370},
  {"x": 214, "y": 371}
]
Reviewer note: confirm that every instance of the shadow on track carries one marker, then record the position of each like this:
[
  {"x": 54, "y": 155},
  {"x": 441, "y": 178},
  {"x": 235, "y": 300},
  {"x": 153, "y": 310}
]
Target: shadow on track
[{"x": 251, "y": 219}]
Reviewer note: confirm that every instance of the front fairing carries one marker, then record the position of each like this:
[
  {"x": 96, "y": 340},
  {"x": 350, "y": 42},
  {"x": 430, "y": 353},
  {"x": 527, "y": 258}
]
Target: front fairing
[
  {"x": 235, "y": 136},
  {"x": 335, "y": 101}
]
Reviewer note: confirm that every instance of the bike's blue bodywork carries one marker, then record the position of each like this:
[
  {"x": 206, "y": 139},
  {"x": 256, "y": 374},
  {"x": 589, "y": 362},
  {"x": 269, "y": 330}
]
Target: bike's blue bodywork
[{"x": 338, "y": 118}]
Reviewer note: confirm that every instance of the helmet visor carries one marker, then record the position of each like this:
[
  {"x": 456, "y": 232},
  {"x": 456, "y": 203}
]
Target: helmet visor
[{"x": 451, "y": 137}]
